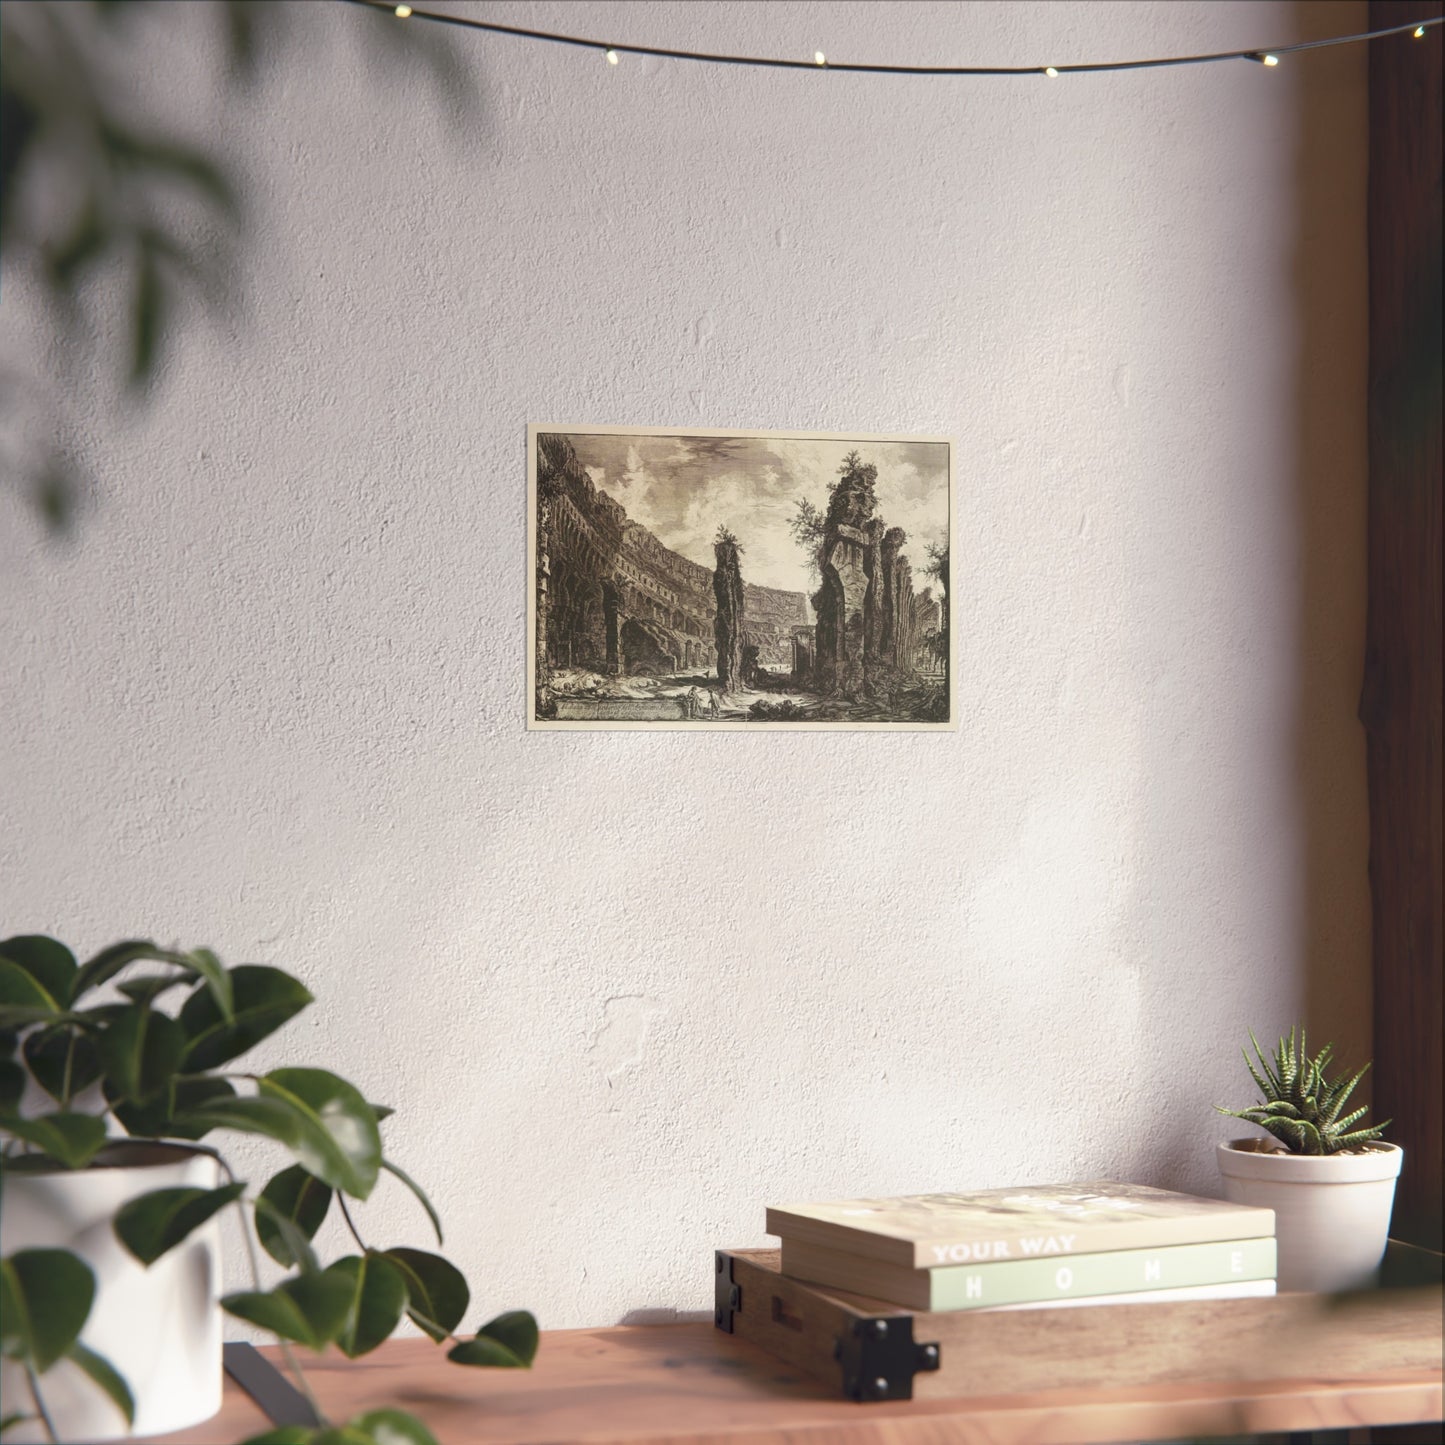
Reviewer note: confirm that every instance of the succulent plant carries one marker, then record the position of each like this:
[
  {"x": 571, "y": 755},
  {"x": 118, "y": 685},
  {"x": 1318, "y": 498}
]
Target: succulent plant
[{"x": 1301, "y": 1107}]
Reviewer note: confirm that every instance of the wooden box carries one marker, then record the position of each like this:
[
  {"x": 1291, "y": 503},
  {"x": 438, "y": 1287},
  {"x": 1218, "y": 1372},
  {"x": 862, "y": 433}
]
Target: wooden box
[{"x": 871, "y": 1350}]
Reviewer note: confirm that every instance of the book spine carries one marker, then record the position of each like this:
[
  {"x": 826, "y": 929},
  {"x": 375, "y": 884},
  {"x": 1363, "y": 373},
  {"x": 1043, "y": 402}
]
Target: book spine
[
  {"x": 1116, "y": 1272},
  {"x": 1248, "y": 1289}
]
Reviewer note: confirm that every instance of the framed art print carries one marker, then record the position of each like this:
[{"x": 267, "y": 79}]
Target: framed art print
[{"x": 698, "y": 578}]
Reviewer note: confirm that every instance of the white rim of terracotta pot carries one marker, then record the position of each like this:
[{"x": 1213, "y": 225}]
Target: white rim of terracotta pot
[{"x": 1259, "y": 1159}]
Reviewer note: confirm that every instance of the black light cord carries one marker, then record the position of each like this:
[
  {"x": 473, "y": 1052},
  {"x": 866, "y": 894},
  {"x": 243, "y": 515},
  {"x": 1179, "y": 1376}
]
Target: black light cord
[{"x": 613, "y": 49}]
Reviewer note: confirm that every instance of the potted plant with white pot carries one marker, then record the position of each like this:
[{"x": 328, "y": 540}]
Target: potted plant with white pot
[
  {"x": 110, "y": 1321},
  {"x": 1331, "y": 1185}
]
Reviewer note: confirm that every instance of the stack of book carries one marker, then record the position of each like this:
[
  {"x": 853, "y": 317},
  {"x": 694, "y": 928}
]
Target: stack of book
[{"x": 1031, "y": 1247}]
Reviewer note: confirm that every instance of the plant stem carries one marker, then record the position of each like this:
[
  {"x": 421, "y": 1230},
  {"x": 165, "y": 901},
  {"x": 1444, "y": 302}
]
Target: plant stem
[
  {"x": 346, "y": 1215},
  {"x": 39, "y": 1403},
  {"x": 69, "y": 1067},
  {"x": 292, "y": 1363}
]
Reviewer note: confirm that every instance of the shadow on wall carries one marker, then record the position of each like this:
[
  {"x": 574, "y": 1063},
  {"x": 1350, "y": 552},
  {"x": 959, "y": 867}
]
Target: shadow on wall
[
  {"x": 161, "y": 219},
  {"x": 1326, "y": 908}
]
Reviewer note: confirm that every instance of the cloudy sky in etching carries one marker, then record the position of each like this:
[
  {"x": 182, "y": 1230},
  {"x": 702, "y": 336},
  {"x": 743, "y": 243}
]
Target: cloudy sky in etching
[{"x": 682, "y": 487}]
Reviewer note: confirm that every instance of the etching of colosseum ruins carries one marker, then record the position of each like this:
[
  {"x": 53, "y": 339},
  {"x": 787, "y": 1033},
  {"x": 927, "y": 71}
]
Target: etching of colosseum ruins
[{"x": 722, "y": 579}]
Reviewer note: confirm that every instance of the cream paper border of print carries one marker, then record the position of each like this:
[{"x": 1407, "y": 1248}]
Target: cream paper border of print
[{"x": 829, "y": 440}]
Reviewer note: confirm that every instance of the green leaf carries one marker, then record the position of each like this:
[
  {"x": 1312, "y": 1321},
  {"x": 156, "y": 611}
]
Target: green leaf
[
  {"x": 378, "y": 1296},
  {"x": 1338, "y": 1126},
  {"x": 507, "y": 1342},
  {"x": 392, "y": 1427},
  {"x": 340, "y": 1143},
  {"x": 517, "y": 1330},
  {"x": 148, "y": 989},
  {"x": 73, "y": 1139},
  {"x": 263, "y": 999},
  {"x": 310, "y": 1310},
  {"x": 298, "y": 1197},
  {"x": 295, "y": 1243},
  {"x": 12, "y": 1086},
  {"x": 1361, "y": 1136},
  {"x": 141, "y": 1051},
  {"x": 269, "y": 1117},
  {"x": 23, "y": 999},
  {"x": 18, "y": 1418},
  {"x": 164, "y": 1116},
  {"x": 416, "y": 1189},
  {"x": 186, "y": 1094},
  {"x": 210, "y": 968},
  {"x": 64, "y": 1061},
  {"x": 284, "y": 1435},
  {"x": 104, "y": 1374},
  {"x": 50, "y": 964},
  {"x": 142, "y": 1121},
  {"x": 437, "y": 1293},
  {"x": 151, "y": 1224},
  {"x": 382, "y": 1111},
  {"x": 341, "y": 1435},
  {"x": 109, "y": 962},
  {"x": 14, "y": 1323},
  {"x": 331, "y": 1141},
  {"x": 45, "y": 1299},
  {"x": 96, "y": 1019}
]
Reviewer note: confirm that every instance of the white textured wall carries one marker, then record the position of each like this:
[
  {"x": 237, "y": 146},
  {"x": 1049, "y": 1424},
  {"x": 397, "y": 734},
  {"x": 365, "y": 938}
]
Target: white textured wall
[{"x": 624, "y": 990}]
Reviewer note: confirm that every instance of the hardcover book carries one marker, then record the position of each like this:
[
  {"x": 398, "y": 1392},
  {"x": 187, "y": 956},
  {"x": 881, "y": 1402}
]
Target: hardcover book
[
  {"x": 1248, "y": 1289},
  {"x": 1033, "y": 1281},
  {"x": 925, "y": 1231}
]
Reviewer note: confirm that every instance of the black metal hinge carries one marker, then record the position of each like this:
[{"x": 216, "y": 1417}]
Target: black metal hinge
[
  {"x": 880, "y": 1358},
  {"x": 727, "y": 1296}
]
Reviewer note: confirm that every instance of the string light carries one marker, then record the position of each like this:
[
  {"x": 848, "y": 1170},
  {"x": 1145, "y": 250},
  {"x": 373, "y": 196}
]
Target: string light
[{"x": 1260, "y": 56}]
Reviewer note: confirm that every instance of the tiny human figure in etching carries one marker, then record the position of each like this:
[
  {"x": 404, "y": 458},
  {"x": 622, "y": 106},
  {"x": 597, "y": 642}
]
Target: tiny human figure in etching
[
  {"x": 694, "y": 703},
  {"x": 712, "y": 707}
]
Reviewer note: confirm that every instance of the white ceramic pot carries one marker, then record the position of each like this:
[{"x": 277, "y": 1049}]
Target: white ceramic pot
[
  {"x": 1331, "y": 1211},
  {"x": 160, "y": 1327}
]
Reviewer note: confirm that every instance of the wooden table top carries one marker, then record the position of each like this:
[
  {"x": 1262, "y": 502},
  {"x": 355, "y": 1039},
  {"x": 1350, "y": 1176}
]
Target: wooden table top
[{"x": 692, "y": 1384}]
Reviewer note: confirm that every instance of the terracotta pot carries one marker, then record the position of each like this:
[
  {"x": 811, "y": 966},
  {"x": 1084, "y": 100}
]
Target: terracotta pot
[
  {"x": 1331, "y": 1211},
  {"x": 160, "y": 1327}
]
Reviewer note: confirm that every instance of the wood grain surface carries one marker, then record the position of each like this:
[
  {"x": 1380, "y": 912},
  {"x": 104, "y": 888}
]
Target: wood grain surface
[{"x": 670, "y": 1384}]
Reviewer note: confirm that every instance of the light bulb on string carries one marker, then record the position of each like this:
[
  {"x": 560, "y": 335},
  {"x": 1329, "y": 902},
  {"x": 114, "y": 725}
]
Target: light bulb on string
[{"x": 1260, "y": 57}]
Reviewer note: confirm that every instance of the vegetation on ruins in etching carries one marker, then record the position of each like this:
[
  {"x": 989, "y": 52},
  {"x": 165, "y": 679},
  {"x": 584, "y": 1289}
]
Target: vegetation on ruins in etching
[{"x": 629, "y": 629}]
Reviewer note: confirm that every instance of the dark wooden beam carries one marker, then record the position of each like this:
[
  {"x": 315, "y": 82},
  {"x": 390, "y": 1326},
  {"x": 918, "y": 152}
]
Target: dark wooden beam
[{"x": 1400, "y": 703}]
